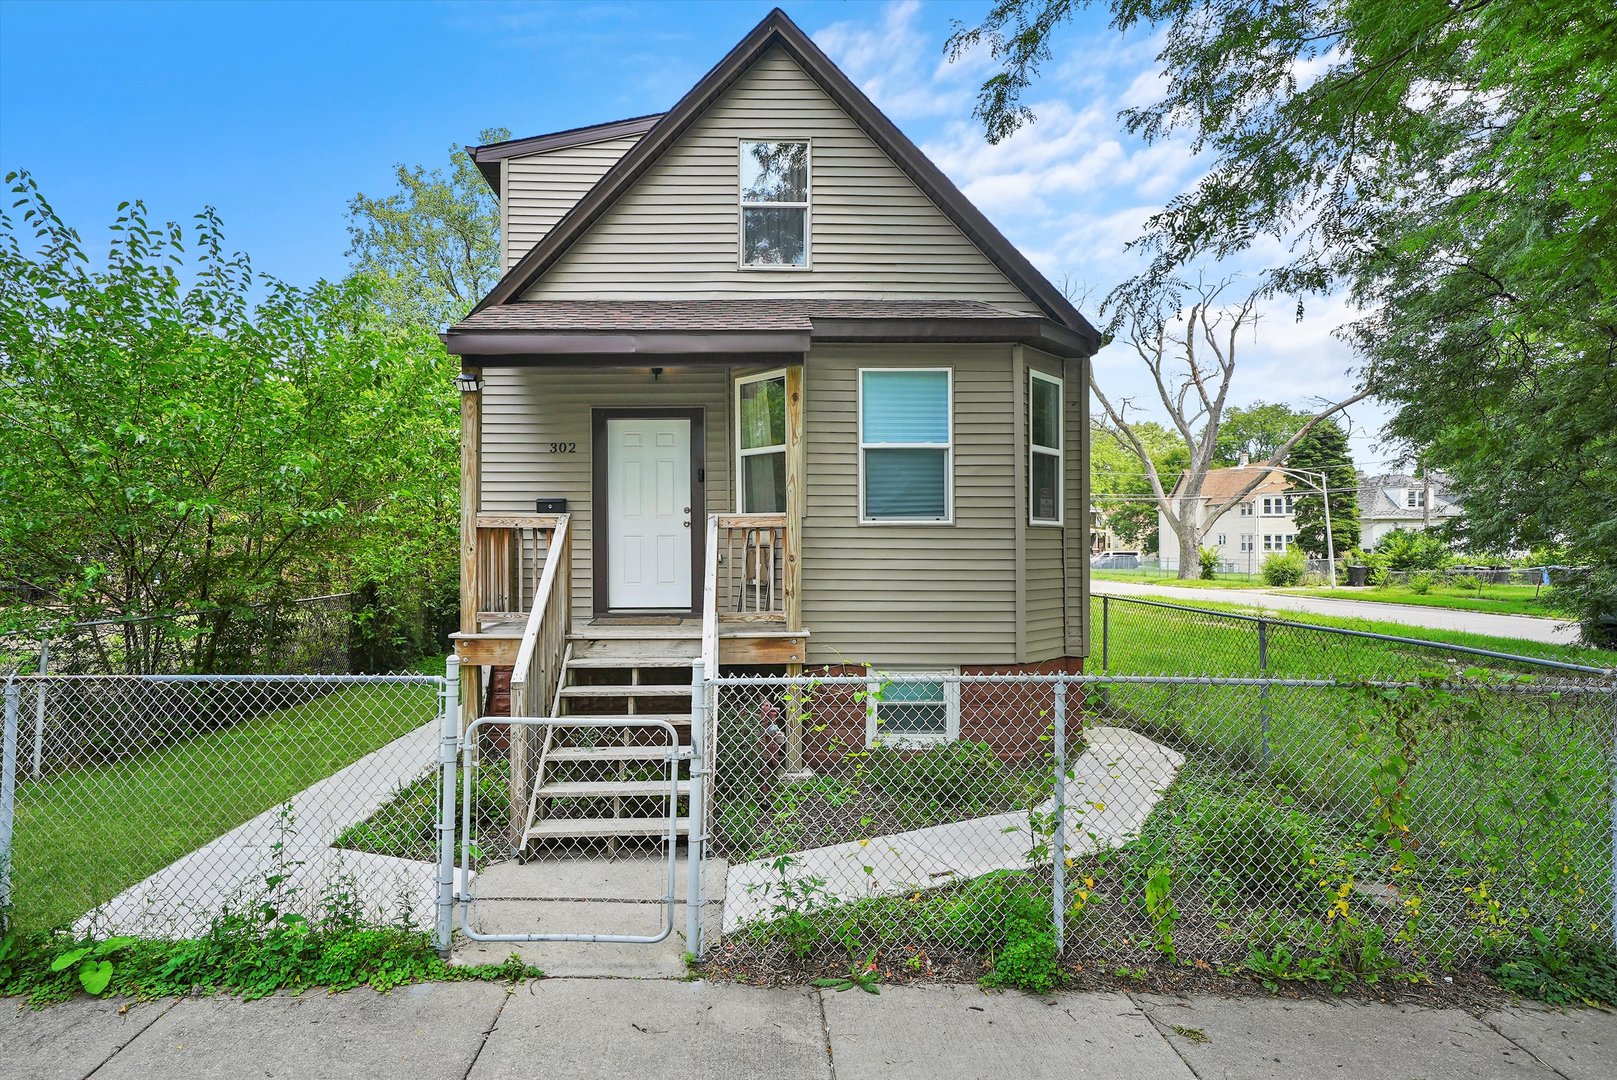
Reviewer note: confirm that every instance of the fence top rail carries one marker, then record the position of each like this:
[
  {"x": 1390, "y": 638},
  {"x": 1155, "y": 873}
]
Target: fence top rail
[
  {"x": 336, "y": 680},
  {"x": 1537, "y": 661},
  {"x": 1146, "y": 680}
]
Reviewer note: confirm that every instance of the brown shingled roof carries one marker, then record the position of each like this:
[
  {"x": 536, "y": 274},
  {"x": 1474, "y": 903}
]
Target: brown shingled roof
[
  {"x": 1222, "y": 484},
  {"x": 712, "y": 315}
]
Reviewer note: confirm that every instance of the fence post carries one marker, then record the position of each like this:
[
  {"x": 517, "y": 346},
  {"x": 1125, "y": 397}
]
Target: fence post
[
  {"x": 696, "y": 840},
  {"x": 39, "y": 711},
  {"x": 1612, "y": 764},
  {"x": 1263, "y": 691},
  {"x": 8, "y": 790},
  {"x": 1105, "y": 635},
  {"x": 1058, "y": 839},
  {"x": 448, "y": 753}
]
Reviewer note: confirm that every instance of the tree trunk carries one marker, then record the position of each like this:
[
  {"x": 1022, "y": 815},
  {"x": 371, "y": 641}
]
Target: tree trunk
[{"x": 1190, "y": 548}]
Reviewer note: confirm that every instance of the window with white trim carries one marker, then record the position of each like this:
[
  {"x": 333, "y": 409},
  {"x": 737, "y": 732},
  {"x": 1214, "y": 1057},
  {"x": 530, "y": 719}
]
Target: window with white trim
[
  {"x": 1416, "y": 498},
  {"x": 1247, "y": 541},
  {"x": 1246, "y": 509},
  {"x": 904, "y": 710},
  {"x": 1223, "y": 539},
  {"x": 774, "y": 204},
  {"x": 906, "y": 445},
  {"x": 1045, "y": 464},
  {"x": 761, "y": 443}
]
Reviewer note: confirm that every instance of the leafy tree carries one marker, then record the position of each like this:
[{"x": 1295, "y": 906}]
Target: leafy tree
[
  {"x": 1256, "y": 430},
  {"x": 1186, "y": 337},
  {"x": 1118, "y": 482},
  {"x": 168, "y": 445},
  {"x": 1451, "y": 165},
  {"x": 433, "y": 244},
  {"x": 1325, "y": 450}
]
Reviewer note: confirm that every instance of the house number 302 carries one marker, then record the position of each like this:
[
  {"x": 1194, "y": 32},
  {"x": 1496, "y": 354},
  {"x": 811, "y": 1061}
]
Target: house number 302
[{"x": 564, "y": 448}]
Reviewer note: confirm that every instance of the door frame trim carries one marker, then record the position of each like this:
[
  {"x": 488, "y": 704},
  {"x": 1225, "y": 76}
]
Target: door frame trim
[{"x": 600, "y": 524}]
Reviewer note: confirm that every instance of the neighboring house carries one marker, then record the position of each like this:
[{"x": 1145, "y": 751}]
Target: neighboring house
[
  {"x": 787, "y": 399},
  {"x": 1261, "y": 524},
  {"x": 1401, "y": 501},
  {"x": 1101, "y": 536}
]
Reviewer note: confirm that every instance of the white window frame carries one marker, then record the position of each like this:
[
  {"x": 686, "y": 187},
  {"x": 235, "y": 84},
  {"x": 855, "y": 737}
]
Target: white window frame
[
  {"x": 1223, "y": 539},
  {"x": 740, "y": 475},
  {"x": 1249, "y": 541},
  {"x": 807, "y": 206},
  {"x": 1059, "y": 452},
  {"x": 1415, "y": 499},
  {"x": 914, "y": 740},
  {"x": 947, "y": 448},
  {"x": 1246, "y": 509}
]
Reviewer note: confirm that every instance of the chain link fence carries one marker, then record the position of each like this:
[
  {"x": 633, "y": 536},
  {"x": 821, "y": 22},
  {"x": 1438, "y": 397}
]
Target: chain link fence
[
  {"x": 1135, "y": 636},
  {"x": 172, "y": 806},
  {"x": 948, "y": 823}
]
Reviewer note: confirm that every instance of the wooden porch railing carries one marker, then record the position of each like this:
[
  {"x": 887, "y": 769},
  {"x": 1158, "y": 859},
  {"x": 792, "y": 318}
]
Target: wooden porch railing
[
  {"x": 512, "y": 553},
  {"x": 536, "y": 676},
  {"x": 753, "y": 578}
]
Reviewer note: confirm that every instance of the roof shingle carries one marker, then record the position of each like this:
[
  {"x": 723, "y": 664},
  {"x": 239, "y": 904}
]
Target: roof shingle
[{"x": 574, "y": 316}]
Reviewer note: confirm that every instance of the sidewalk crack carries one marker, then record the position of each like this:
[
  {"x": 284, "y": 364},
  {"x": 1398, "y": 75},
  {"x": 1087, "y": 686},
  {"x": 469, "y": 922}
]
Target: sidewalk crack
[
  {"x": 1163, "y": 1035},
  {"x": 825, "y": 1034},
  {"x": 494, "y": 1023},
  {"x": 1480, "y": 1018},
  {"x": 121, "y": 1047}
]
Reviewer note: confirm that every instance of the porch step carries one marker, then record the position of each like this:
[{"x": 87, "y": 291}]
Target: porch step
[
  {"x": 595, "y": 789},
  {"x": 589, "y": 828},
  {"x": 633, "y": 662},
  {"x": 611, "y": 753},
  {"x": 635, "y": 652},
  {"x": 688, "y": 631},
  {"x": 639, "y": 690},
  {"x": 677, "y": 720}
]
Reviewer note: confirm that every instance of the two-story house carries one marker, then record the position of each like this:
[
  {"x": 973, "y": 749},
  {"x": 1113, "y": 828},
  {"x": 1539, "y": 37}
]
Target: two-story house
[
  {"x": 761, "y": 388},
  {"x": 1261, "y": 523},
  {"x": 1402, "y": 501}
]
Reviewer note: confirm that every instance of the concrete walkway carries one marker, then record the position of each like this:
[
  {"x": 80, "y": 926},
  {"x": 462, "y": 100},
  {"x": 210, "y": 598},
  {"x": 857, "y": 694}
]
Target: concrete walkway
[
  {"x": 1106, "y": 806},
  {"x": 181, "y": 899},
  {"x": 582, "y": 1028},
  {"x": 1523, "y": 627}
]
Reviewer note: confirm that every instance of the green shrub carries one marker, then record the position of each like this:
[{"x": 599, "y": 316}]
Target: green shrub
[
  {"x": 1209, "y": 562},
  {"x": 1284, "y": 568},
  {"x": 1406, "y": 549},
  {"x": 1420, "y": 584},
  {"x": 1258, "y": 846},
  {"x": 1027, "y": 959},
  {"x": 1467, "y": 582},
  {"x": 1561, "y": 970},
  {"x": 961, "y": 772}
]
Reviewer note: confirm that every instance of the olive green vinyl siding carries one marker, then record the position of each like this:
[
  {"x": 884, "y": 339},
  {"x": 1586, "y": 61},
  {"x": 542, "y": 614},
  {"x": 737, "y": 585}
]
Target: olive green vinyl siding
[
  {"x": 910, "y": 595},
  {"x": 1076, "y": 403},
  {"x": 525, "y": 410},
  {"x": 1044, "y": 588},
  {"x": 873, "y": 233},
  {"x": 540, "y": 188}
]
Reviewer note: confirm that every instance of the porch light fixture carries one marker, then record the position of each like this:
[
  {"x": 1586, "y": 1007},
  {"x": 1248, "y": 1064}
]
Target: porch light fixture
[
  {"x": 656, "y": 374},
  {"x": 468, "y": 382}
]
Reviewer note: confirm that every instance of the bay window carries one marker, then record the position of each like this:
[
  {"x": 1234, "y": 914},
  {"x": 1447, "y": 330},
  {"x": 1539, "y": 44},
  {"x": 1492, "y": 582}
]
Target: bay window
[{"x": 1044, "y": 466}]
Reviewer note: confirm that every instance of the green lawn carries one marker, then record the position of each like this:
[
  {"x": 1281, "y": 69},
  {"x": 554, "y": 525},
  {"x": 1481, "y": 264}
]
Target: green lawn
[
  {"x": 1498, "y": 599},
  {"x": 1170, "y": 578},
  {"x": 85, "y": 835}
]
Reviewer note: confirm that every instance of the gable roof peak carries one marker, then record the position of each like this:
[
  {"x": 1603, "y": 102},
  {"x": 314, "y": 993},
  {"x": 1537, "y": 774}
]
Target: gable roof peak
[{"x": 778, "y": 30}]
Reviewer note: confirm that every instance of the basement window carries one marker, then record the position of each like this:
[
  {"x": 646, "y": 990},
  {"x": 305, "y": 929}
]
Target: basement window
[
  {"x": 911, "y": 710},
  {"x": 774, "y": 205}
]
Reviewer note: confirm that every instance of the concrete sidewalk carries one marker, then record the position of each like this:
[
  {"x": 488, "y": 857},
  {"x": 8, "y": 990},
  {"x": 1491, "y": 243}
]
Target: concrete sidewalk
[
  {"x": 569, "y": 1028},
  {"x": 1523, "y": 627}
]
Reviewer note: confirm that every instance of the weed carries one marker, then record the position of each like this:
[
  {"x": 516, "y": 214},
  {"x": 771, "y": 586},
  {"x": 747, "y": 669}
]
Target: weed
[
  {"x": 1195, "y": 1035},
  {"x": 1561, "y": 970},
  {"x": 862, "y": 974}
]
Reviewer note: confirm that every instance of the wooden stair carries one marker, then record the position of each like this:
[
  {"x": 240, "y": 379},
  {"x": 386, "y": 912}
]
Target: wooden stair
[{"x": 606, "y": 784}]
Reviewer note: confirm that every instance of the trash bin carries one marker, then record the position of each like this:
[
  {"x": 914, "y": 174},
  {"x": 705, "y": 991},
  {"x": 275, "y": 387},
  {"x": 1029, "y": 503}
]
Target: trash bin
[{"x": 1358, "y": 576}]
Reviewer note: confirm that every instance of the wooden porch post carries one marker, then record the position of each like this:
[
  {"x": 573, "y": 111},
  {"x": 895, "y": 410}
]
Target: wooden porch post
[
  {"x": 471, "y": 483},
  {"x": 792, "y": 572}
]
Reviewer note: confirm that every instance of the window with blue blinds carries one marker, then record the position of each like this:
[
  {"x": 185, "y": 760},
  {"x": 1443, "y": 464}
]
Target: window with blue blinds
[{"x": 906, "y": 444}]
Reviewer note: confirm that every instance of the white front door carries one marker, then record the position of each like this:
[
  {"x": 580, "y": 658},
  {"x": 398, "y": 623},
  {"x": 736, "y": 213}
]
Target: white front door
[{"x": 648, "y": 513}]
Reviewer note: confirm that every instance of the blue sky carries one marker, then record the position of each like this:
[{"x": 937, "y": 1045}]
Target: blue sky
[{"x": 277, "y": 114}]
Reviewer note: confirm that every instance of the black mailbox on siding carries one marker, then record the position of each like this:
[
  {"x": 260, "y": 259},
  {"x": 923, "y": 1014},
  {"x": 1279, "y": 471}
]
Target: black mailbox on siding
[{"x": 550, "y": 506}]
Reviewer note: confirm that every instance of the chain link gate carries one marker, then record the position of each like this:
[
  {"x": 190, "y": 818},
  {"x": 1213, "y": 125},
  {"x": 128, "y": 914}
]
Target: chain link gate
[{"x": 567, "y": 828}]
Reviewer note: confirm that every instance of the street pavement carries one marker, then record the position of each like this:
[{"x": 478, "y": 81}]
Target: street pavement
[
  {"x": 1524, "y": 627},
  {"x": 632, "y": 1028}
]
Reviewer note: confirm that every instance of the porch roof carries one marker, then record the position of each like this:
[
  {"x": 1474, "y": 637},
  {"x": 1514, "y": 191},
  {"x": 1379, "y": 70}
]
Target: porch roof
[{"x": 733, "y": 326}]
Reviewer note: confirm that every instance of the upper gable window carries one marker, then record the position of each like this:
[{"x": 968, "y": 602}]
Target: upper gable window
[{"x": 775, "y": 204}]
